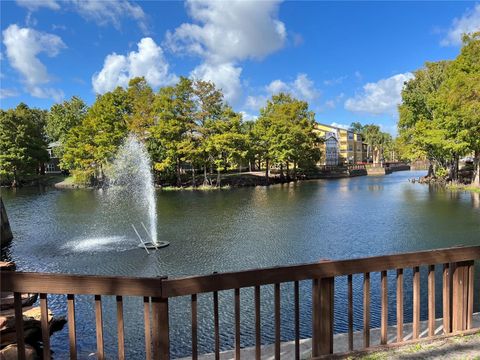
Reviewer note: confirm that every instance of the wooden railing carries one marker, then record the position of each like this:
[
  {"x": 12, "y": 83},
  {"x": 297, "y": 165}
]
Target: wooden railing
[{"x": 458, "y": 291}]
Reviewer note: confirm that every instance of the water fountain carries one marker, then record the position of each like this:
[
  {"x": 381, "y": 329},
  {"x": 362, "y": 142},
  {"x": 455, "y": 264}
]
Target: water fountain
[{"x": 130, "y": 177}]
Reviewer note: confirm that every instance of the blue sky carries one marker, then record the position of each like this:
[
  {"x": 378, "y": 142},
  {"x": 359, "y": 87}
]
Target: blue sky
[{"x": 347, "y": 59}]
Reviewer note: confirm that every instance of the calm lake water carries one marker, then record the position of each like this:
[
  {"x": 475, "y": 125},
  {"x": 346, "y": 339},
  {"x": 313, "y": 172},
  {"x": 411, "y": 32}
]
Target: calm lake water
[{"x": 83, "y": 232}]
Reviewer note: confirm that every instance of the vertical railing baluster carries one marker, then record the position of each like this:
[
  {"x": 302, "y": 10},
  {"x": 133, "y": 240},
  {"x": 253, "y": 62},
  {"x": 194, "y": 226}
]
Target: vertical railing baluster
[
  {"x": 45, "y": 326},
  {"x": 470, "y": 289},
  {"x": 216, "y": 325},
  {"x": 431, "y": 300},
  {"x": 384, "y": 314},
  {"x": 237, "y": 323},
  {"x": 326, "y": 315},
  {"x": 297, "y": 319},
  {"x": 277, "y": 321},
  {"x": 120, "y": 328},
  {"x": 399, "y": 305},
  {"x": 416, "y": 303},
  {"x": 72, "y": 338},
  {"x": 258, "y": 334},
  {"x": 194, "y": 327},
  {"x": 315, "y": 317},
  {"x": 148, "y": 329},
  {"x": 164, "y": 331},
  {"x": 17, "y": 301},
  {"x": 156, "y": 328},
  {"x": 446, "y": 298},
  {"x": 350, "y": 312},
  {"x": 99, "y": 327},
  {"x": 366, "y": 310}
]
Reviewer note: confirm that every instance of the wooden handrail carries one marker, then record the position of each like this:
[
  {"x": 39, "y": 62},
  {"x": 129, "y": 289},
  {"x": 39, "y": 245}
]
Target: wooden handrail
[
  {"x": 457, "y": 288},
  {"x": 248, "y": 278},
  {"x": 29, "y": 282}
]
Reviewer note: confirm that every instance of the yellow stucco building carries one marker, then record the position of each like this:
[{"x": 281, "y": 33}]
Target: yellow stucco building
[{"x": 341, "y": 146}]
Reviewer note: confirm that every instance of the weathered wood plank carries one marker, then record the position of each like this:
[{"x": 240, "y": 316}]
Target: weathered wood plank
[
  {"x": 148, "y": 329},
  {"x": 296, "y": 290},
  {"x": 17, "y": 299},
  {"x": 446, "y": 298},
  {"x": 416, "y": 302},
  {"x": 258, "y": 334},
  {"x": 399, "y": 305},
  {"x": 326, "y": 316},
  {"x": 384, "y": 310},
  {"x": 120, "y": 328},
  {"x": 28, "y": 282},
  {"x": 366, "y": 310},
  {"x": 164, "y": 330},
  {"x": 277, "y": 321},
  {"x": 99, "y": 327},
  {"x": 45, "y": 327},
  {"x": 72, "y": 338},
  {"x": 350, "y": 312},
  {"x": 250, "y": 278},
  {"x": 237, "y": 323},
  {"x": 431, "y": 300},
  {"x": 470, "y": 289},
  {"x": 194, "y": 327},
  {"x": 315, "y": 317},
  {"x": 216, "y": 325}
]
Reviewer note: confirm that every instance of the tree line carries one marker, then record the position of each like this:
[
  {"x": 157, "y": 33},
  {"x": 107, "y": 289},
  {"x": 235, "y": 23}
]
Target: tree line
[
  {"x": 188, "y": 128},
  {"x": 439, "y": 118}
]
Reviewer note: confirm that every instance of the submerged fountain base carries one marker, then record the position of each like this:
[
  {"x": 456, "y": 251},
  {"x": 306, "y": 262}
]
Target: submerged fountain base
[{"x": 152, "y": 246}]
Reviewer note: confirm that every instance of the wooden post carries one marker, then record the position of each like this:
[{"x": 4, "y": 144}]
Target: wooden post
[
  {"x": 315, "y": 316},
  {"x": 460, "y": 295},
  {"x": 325, "y": 344}
]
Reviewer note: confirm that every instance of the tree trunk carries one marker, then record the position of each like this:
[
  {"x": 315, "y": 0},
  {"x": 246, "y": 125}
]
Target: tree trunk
[
  {"x": 282, "y": 176},
  {"x": 266, "y": 172},
  {"x": 250, "y": 165},
  {"x": 179, "y": 179},
  {"x": 288, "y": 171},
  {"x": 218, "y": 177},
  {"x": 193, "y": 176},
  {"x": 430, "y": 170},
  {"x": 294, "y": 170},
  {"x": 205, "y": 178},
  {"x": 476, "y": 169}
]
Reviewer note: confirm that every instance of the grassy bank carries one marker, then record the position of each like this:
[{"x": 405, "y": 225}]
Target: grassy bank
[{"x": 460, "y": 187}]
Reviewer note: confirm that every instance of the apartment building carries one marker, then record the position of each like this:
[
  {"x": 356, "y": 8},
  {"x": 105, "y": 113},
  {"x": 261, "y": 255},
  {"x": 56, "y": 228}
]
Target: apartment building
[{"x": 341, "y": 146}]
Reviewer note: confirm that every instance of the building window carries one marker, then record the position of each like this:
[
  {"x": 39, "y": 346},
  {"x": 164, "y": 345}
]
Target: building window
[{"x": 350, "y": 136}]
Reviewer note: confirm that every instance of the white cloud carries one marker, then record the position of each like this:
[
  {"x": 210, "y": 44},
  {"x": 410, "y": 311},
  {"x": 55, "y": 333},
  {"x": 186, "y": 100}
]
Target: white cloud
[
  {"x": 102, "y": 12},
  {"x": 225, "y": 76},
  {"x": 335, "y": 81},
  {"x": 106, "y": 12},
  {"x": 230, "y": 30},
  {"x": 248, "y": 117},
  {"x": 302, "y": 88},
  {"x": 6, "y": 93},
  {"x": 34, "y": 5},
  {"x": 380, "y": 97},
  {"x": 330, "y": 104},
  {"x": 148, "y": 61},
  {"x": 23, "y": 45},
  {"x": 468, "y": 23},
  {"x": 224, "y": 33}
]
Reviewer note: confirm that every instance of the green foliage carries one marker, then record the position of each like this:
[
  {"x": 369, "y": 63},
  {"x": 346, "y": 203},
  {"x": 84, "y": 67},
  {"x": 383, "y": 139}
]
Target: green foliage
[
  {"x": 23, "y": 148},
  {"x": 92, "y": 144},
  {"x": 439, "y": 116},
  {"x": 62, "y": 117},
  {"x": 283, "y": 133}
]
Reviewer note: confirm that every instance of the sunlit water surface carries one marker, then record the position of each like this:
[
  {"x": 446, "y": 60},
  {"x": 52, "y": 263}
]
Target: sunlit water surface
[{"x": 81, "y": 232}]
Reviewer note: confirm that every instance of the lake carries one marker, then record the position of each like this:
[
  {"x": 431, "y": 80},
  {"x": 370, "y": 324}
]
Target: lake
[{"x": 84, "y": 232}]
